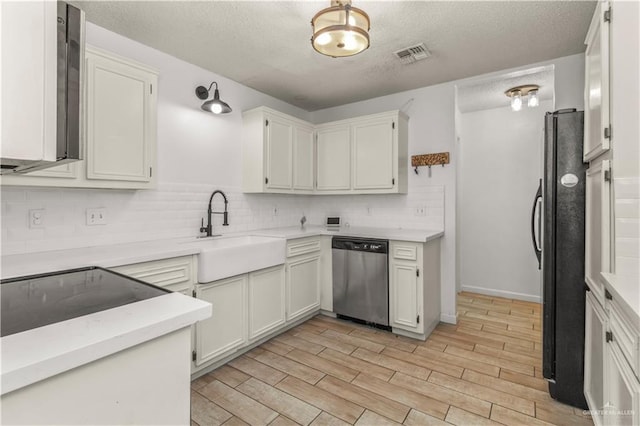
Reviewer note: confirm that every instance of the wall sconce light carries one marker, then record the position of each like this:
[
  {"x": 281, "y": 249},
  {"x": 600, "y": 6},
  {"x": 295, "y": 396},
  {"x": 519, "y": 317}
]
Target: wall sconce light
[
  {"x": 214, "y": 105},
  {"x": 340, "y": 30},
  {"x": 516, "y": 94}
]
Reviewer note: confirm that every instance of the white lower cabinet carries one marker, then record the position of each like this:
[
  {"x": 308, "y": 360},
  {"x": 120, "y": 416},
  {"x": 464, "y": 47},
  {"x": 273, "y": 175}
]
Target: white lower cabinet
[
  {"x": 266, "y": 301},
  {"x": 303, "y": 277},
  {"x": 226, "y": 329},
  {"x": 405, "y": 296},
  {"x": 414, "y": 287},
  {"x": 303, "y": 285},
  {"x": 595, "y": 329},
  {"x": 612, "y": 353},
  {"x": 623, "y": 390}
]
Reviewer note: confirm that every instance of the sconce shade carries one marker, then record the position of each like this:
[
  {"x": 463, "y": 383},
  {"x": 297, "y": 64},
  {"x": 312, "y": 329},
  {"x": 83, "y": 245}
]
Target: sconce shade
[
  {"x": 340, "y": 30},
  {"x": 214, "y": 105}
]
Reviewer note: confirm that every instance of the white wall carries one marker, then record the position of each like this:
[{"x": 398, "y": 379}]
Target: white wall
[{"x": 500, "y": 165}]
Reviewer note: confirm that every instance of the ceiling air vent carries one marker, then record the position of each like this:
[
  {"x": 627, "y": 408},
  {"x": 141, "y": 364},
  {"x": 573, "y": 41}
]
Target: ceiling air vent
[{"x": 412, "y": 54}]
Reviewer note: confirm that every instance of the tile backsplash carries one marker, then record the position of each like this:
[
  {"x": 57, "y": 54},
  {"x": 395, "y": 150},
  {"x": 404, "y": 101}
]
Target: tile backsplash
[{"x": 175, "y": 210}]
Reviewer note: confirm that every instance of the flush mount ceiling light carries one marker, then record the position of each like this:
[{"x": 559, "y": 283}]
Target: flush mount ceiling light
[
  {"x": 516, "y": 94},
  {"x": 340, "y": 30},
  {"x": 214, "y": 105}
]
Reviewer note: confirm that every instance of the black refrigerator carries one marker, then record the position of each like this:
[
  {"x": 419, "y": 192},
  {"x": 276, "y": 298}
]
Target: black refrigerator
[{"x": 561, "y": 222}]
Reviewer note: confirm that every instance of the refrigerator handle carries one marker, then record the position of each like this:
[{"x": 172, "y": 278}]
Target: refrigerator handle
[{"x": 537, "y": 202}]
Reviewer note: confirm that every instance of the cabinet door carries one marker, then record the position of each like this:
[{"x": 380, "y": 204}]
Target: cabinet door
[
  {"x": 405, "y": 295},
  {"x": 266, "y": 301},
  {"x": 373, "y": 154},
  {"x": 598, "y": 235},
  {"x": 279, "y": 153},
  {"x": 623, "y": 389},
  {"x": 334, "y": 159},
  {"x": 594, "y": 343},
  {"x": 28, "y": 32},
  {"x": 303, "y": 285},
  {"x": 303, "y": 158},
  {"x": 226, "y": 329},
  {"x": 596, "y": 95},
  {"x": 121, "y": 114}
]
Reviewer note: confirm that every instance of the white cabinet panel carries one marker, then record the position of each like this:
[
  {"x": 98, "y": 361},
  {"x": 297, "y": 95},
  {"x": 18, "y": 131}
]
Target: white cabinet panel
[
  {"x": 333, "y": 158},
  {"x": 303, "y": 285},
  {"x": 226, "y": 329},
  {"x": 598, "y": 234},
  {"x": 404, "y": 297},
  {"x": 595, "y": 328},
  {"x": 303, "y": 161},
  {"x": 120, "y": 125},
  {"x": 373, "y": 154},
  {"x": 175, "y": 274},
  {"x": 279, "y": 153},
  {"x": 596, "y": 96},
  {"x": 266, "y": 301},
  {"x": 623, "y": 402}
]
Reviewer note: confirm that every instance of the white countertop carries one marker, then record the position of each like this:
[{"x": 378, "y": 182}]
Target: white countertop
[
  {"x": 626, "y": 291},
  {"x": 414, "y": 235},
  {"x": 125, "y": 254},
  {"x": 37, "y": 354}
]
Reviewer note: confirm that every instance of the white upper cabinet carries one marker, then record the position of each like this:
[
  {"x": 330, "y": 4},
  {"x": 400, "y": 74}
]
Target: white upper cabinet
[
  {"x": 373, "y": 154},
  {"x": 334, "y": 158},
  {"x": 28, "y": 80},
  {"x": 376, "y": 161},
  {"x": 279, "y": 147},
  {"x": 121, "y": 118},
  {"x": 362, "y": 155},
  {"x": 597, "y": 130},
  {"x": 272, "y": 145},
  {"x": 119, "y": 123},
  {"x": 303, "y": 159}
]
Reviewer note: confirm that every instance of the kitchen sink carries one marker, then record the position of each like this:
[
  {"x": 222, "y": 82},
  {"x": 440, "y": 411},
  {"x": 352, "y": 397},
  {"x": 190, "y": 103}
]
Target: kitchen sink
[{"x": 224, "y": 257}]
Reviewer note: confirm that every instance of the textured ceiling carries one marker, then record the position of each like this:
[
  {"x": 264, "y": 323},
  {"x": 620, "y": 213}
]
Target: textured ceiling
[
  {"x": 265, "y": 44},
  {"x": 489, "y": 93}
]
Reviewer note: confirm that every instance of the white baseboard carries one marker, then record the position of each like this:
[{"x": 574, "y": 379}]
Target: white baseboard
[
  {"x": 502, "y": 293},
  {"x": 449, "y": 319}
]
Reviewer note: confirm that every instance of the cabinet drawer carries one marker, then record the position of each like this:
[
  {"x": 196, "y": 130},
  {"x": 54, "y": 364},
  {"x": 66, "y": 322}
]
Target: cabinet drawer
[
  {"x": 176, "y": 274},
  {"x": 405, "y": 251},
  {"x": 303, "y": 246},
  {"x": 625, "y": 335}
]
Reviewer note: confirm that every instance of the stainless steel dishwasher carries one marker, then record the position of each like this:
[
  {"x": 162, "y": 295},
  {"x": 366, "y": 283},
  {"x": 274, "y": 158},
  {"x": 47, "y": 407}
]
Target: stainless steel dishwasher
[{"x": 361, "y": 279}]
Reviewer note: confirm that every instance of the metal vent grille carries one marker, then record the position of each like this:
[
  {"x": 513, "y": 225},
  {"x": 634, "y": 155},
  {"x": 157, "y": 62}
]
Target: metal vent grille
[{"x": 412, "y": 54}]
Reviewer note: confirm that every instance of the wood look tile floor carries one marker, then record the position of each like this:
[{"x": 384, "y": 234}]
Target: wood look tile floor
[{"x": 484, "y": 371}]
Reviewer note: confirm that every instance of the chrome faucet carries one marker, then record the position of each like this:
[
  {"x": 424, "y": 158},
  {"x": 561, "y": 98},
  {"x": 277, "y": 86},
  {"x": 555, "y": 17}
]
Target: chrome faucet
[{"x": 209, "y": 228}]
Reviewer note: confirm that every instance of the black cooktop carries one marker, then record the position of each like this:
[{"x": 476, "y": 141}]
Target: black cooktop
[{"x": 38, "y": 300}]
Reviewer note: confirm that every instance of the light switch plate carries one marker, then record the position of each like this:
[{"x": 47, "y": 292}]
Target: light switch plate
[{"x": 96, "y": 217}]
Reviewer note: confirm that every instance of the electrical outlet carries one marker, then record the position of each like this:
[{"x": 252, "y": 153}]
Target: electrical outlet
[
  {"x": 36, "y": 218},
  {"x": 421, "y": 211},
  {"x": 96, "y": 217}
]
